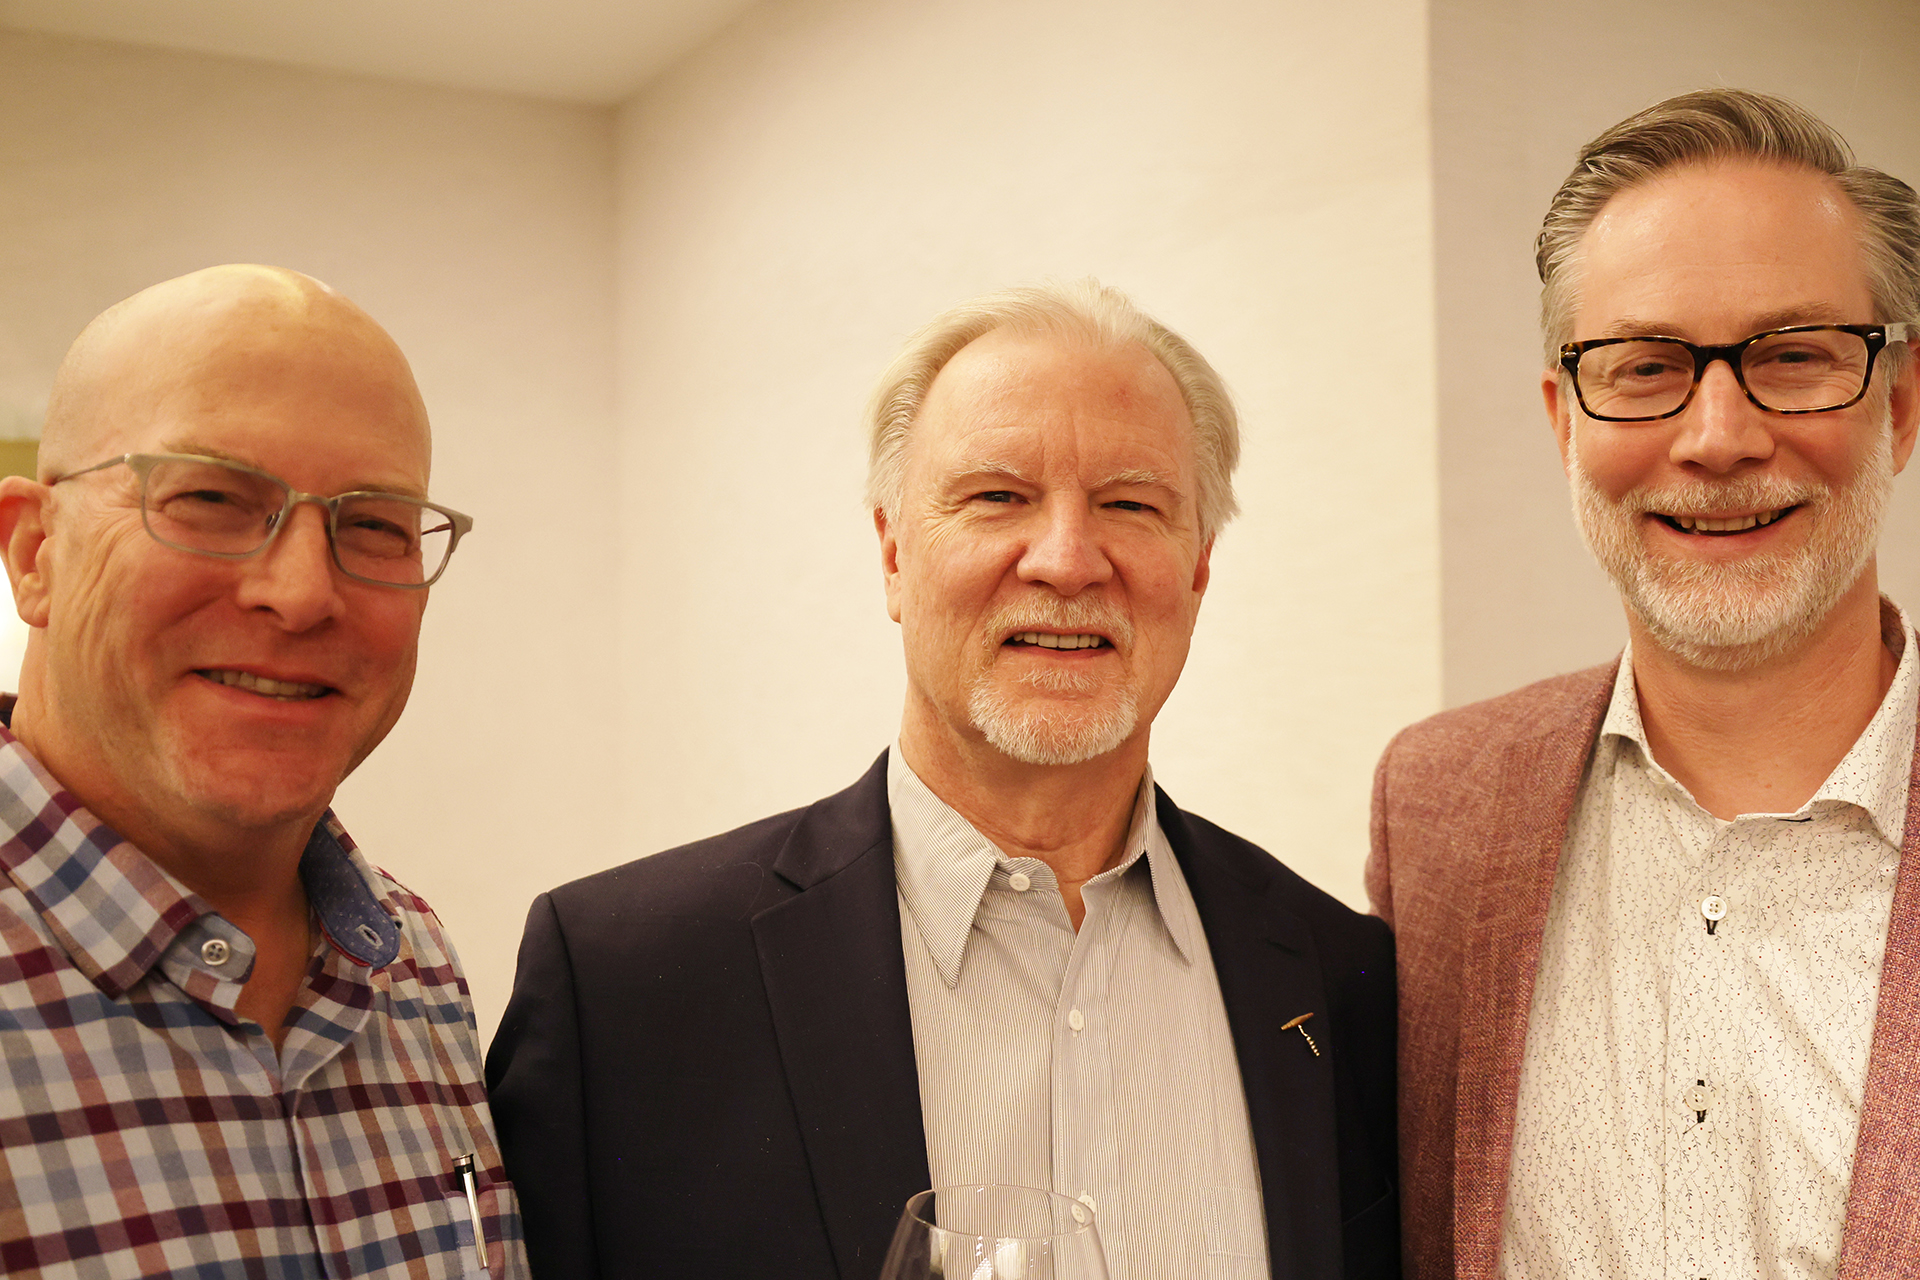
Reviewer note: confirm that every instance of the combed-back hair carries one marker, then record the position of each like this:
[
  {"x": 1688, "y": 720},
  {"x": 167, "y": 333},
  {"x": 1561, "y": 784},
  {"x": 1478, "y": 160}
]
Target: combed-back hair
[
  {"x": 1726, "y": 124},
  {"x": 1079, "y": 310}
]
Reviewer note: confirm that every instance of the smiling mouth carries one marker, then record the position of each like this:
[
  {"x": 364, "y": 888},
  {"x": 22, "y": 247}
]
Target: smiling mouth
[
  {"x": 282, "y": 690},
  {"x": 1721, "y": 526},
  {"x": 1048, "y": 640}
]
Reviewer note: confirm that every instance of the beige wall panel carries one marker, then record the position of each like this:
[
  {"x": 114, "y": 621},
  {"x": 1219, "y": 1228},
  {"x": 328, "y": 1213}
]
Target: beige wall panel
[
  {"x": 479, "y": 230},
  {"x": 1518, "y": 87},
  {"x": 804, "y": 191}
]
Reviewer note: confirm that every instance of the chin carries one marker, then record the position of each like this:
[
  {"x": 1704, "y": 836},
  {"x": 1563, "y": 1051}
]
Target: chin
[
  {"x": 264, "y": 796},
  {"x": 1044, "y": 731}
]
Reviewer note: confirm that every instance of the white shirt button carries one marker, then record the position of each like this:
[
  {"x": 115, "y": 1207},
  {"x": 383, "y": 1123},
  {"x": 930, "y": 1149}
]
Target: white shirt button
[
  {"x": 215, "y": 951},
  {"x": 1081, "y": 1214},
  {"x": 1086, "y": 1200},
  {"x": 1699, "y": 1098},
  {"x": 1076, "y": 1019},
  {"x": 1713, "y": 907},
  {"x": 1021, "y": 881}
]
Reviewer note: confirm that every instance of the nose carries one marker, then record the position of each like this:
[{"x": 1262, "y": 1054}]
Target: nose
[
  {"x": 1064, "y": 552},
  {"x": 1721, "y": 429},
  {"x": 294, "y": 578}
]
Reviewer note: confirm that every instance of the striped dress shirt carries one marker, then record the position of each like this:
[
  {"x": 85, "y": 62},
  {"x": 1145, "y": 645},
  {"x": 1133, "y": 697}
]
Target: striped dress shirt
[
  {"x": 147, "y": 1129},
  {"x": 1098, "y": 1063}
]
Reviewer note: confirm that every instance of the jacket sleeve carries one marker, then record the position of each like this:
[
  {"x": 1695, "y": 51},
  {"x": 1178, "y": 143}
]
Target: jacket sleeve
[{"x": 534, "y": 1083}]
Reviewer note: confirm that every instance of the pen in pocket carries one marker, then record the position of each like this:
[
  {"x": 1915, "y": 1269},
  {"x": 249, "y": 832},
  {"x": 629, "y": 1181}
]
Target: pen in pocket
[{"x": 464, "y": 1181}]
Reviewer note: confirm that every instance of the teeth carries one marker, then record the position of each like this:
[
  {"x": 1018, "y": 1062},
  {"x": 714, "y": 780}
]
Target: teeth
[
  {"x": 283, "y": 689},
  {"x": 1734, "y": 524},
  {"x": 1047, "y": 640}
]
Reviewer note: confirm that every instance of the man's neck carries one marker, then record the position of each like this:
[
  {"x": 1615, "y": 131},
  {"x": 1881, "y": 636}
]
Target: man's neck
[
  {"x": 1072, "y": 817},
  {"x": 1764, "y": 738}
]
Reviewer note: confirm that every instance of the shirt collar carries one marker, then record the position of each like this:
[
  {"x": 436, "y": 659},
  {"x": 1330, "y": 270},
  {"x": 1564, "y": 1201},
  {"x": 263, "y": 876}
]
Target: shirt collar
[
  {"x": 117, "y": 914},
  {"x": 943, "y": 866},
  {"x": 1876, "y": 771}
]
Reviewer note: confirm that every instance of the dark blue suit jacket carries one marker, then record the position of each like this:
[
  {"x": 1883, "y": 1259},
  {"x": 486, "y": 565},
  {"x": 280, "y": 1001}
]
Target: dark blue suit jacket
[{"x": 706, "y": 1070}]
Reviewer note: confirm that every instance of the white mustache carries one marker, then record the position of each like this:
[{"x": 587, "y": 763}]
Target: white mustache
[
  {"x": 1072, "y": 613},
  {"x": 1703, "y": 497}
]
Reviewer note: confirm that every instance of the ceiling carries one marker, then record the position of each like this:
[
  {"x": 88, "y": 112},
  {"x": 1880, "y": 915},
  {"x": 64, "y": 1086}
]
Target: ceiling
[{"x": 591, "y": 51}]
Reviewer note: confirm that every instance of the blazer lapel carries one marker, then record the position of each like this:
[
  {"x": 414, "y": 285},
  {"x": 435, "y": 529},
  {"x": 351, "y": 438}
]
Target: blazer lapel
[
  {"x": 1268, "y": 971},
  {"x": 1528, "y": 805},
  {"x": 835, "y": 979},
  {"x": 1882, "y": 1232}
]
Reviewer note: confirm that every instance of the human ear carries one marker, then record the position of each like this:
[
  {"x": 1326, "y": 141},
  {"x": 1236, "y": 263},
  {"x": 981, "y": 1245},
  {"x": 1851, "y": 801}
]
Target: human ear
[
  {"x": 23, "y": 537},
  {"x": 889, "y": 561},
  {"x": 1903, "y": 409},
  {"x": 1554, "y": 391}
]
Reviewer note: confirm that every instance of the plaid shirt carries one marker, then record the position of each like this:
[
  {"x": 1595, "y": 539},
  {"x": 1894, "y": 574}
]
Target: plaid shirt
[{"x": 146, "y": 1129}]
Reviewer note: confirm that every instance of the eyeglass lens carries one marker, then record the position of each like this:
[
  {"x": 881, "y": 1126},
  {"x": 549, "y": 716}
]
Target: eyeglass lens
[
  {"x": 1646, "y": 378},
  {"x": 206, "y": 506}
]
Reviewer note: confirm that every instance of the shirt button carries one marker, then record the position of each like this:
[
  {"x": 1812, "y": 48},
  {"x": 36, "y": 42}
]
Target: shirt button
[
  {"x": 1021, "y": 881},
  {"x": 1076, "y": 1019},
  {"x": 1088, "y": 1201},
  {"x": 215, "y": 951},
  {"x": 1082, "y": 1214},
  {"x": 1713, "y": 907},
  {"x": 1698, "y": 1098}
]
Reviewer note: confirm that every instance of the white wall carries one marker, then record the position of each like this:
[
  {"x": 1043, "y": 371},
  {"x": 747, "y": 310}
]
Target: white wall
[
  {"x": 1518, "y": 87},
  {"x": 479, "y": 230},
  {"x": 809, "y": 187}
]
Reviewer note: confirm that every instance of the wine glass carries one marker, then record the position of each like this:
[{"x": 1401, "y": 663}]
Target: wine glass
[{"x": 994, "y": 1233}]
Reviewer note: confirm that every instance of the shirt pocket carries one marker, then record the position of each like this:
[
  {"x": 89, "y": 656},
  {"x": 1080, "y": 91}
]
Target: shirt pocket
[{"x": 465, "y": 1262}]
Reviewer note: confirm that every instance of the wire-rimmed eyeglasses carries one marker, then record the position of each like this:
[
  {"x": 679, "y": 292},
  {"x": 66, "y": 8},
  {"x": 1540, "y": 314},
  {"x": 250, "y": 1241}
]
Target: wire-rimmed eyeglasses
[
  {"x": 213, "y": 507},
  {"x": 1803, "y": 368}
]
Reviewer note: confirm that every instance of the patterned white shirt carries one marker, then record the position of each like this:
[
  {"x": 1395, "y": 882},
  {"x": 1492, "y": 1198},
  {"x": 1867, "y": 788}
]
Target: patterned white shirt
[
  {"x": 1690, "y": 1098},
  {"x": 1098, "y": 1063}
]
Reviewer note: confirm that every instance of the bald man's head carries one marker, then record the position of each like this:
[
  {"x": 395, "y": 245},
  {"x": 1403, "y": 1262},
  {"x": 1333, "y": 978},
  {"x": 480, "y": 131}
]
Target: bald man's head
[
  {"x": 198, "y": 696},
  {"x": 170, "y": 347}
]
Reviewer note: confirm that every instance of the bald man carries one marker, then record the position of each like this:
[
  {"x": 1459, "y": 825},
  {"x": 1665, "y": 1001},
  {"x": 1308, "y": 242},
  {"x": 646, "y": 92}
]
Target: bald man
[{"x": 228, "y": 1044}]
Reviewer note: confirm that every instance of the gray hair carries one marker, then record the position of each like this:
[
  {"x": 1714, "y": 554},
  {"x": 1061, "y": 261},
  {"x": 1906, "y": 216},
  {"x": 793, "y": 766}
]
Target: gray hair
[
  {"x": 1722, "y": 124},
  {"x": 1082, "y": 309}
]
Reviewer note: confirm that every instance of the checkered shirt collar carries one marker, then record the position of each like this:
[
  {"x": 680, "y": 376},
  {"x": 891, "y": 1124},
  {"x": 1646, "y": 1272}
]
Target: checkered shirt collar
[{"x": 117, "y": 914}]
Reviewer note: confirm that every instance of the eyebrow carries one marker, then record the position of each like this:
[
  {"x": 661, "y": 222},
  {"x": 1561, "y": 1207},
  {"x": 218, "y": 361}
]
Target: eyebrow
[
  {"x": 1780, "y": 318},
  {"x": 365, "y": 486},
  {"x": 1138, "y": 476}
]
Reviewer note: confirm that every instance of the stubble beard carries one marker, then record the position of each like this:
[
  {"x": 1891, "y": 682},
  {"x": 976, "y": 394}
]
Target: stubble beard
[
  {"x": 1046, "y": 730},
  {"x": 1733, "y": 615}
]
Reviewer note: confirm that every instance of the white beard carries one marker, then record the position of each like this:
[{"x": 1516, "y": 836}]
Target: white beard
[
  {"x": 1730, "y": 616},
  {"x": 1039, "y": 731}
]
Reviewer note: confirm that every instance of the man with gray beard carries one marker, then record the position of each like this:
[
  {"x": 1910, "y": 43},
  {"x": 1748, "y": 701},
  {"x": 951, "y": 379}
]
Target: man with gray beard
[
  {"x": 1002, "y": 956},
  {"x": 1659, "y": 943}
]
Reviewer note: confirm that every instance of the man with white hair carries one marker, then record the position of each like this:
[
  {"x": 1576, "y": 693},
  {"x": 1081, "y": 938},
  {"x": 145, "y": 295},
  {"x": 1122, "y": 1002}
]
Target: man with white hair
[
  {"x": 1659, "y": 942},
  {"x": 1003, "y": 955}
]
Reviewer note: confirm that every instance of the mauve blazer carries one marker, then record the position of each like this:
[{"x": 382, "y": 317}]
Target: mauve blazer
[{"x": 1470, "y": 810}]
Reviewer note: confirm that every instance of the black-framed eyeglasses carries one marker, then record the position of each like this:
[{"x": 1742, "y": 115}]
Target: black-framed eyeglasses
[
  {"x": 213, "y": 507},
  {"x": 1803, "y": 368}
]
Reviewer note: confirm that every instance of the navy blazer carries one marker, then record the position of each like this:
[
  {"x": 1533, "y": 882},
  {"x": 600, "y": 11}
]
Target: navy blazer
[{"x": 706, "y": 1069}]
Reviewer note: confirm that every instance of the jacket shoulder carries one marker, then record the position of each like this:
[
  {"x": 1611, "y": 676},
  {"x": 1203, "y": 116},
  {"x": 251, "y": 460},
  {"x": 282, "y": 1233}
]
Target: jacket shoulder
[
  {"x": 726, "y": 874},
  {"x": 1538, "y": 709}
]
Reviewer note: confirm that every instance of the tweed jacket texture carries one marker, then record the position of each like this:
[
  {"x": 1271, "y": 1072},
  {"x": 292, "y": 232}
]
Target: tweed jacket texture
[{"x": 1470, "y": 813}]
